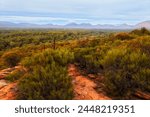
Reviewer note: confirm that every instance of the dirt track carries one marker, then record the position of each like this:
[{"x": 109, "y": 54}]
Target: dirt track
[{"x": 84, "y": 88}]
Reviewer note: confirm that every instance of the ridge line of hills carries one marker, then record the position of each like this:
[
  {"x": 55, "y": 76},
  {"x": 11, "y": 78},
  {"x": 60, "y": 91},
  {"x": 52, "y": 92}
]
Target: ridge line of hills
[{"x": 4, "y": 24}]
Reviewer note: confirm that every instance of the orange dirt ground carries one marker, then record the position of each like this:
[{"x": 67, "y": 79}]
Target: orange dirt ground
[
  {"x": 8, "y": 90},
  {"x": 84, "y": 88}
]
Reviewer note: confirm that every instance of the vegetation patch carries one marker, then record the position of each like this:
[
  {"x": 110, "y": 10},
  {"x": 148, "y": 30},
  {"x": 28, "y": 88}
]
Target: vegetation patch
[{"x": 47, "y": 76}]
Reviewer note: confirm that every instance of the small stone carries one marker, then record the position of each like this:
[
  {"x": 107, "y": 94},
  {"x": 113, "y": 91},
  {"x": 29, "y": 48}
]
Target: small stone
[{"x": 91, "y": 76}]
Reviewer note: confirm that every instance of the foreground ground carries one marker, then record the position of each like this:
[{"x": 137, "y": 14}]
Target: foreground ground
[{"x": 84, "y": 86}]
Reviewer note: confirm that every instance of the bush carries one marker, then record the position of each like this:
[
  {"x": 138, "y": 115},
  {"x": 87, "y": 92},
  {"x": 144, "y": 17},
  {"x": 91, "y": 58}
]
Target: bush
[
  {"x": 15, "y": 75},
  {"x": 59, "y": 56},
  {"x": 12, "y": 58},
  {"x": 123, "y": 36},
  {"x": 142, "y": 43},
  {"x": 50, "y": 83},
  {"x": 126, "y": 71},
  {"x": 141, "y": 32},
  {"x": 47, "y": 76},
  {"x": 80, "y": 54},
  {"x": 88, "y": 59}
]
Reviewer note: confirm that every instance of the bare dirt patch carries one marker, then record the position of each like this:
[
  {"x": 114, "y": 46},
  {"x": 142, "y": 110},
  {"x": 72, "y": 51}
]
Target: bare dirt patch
[
  {"x": 84, "y": 88},
  {"x": 8, "y": 90}
]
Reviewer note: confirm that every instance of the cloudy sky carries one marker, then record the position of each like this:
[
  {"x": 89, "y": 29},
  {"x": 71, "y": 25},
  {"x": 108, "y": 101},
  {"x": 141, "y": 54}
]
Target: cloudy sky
[{"x": 79, "y": 11}]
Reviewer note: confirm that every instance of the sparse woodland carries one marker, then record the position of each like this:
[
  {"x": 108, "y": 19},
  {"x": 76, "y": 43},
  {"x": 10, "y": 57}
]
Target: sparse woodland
[{"x": 122, "y": 58}]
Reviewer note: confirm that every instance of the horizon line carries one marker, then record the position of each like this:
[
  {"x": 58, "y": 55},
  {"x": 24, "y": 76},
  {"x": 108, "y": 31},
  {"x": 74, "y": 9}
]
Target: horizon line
[{"x": 76, "y": 23}]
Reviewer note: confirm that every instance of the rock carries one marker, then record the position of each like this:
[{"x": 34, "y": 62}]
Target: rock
[{"x": 91, "y": 76}]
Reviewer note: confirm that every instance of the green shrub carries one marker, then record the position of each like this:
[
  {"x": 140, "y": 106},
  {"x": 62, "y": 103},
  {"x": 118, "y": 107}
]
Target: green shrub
[
  {"x": 142, "y": 43},
  {"x": 80, "y": 54},
  {"x": 50, "y": 83},
  {"x": 12, "y": 58},
  {"x": 125, "y": 71},
  {"x": 60, "y": 56},
  {"x": 90, "y": 58},
  {"x": 141, "y": 32},
  {"x": 123, "y": 36},
  {"x": 15, "y": 75},
  {"x": 47, "y": 76}
]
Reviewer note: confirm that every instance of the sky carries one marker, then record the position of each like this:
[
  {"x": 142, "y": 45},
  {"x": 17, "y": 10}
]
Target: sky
[{"x": 78, "y": 11}]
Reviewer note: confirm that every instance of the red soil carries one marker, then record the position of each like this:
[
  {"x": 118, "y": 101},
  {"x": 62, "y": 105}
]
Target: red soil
[
  {"x": 84, "y": 88},
  {"x": 8, "y": 91}
]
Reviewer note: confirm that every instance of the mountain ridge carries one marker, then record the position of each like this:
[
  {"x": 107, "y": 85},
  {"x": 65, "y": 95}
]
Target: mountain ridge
[{"x": 4, "y": 24}]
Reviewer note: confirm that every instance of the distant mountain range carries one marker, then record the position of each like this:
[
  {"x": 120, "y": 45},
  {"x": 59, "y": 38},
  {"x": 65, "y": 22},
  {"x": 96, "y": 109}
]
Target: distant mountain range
[{"x": 145, "y": 24}]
